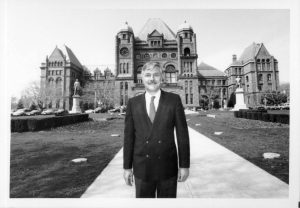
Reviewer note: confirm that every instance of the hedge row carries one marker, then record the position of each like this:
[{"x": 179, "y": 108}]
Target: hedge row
[
  {"x": 263, "y": 116},
  {"x": 39, "y": 123}
]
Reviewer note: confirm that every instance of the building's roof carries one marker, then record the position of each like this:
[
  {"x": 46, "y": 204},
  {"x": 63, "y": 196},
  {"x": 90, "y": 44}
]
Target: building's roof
[
  {"x": 206, "y": 70},
  {"x": 126, "y": 28},
  {"x": 57, "y": 54},
  {"x": 70, "y": 56},
  {"x": 250, "y": 52},
  {"x": 156, "y": 24},
  {"x": 184, "y": 26}
]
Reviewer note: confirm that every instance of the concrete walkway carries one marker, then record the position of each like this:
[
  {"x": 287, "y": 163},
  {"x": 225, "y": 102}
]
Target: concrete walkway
[{"x": 215, "y": 172}]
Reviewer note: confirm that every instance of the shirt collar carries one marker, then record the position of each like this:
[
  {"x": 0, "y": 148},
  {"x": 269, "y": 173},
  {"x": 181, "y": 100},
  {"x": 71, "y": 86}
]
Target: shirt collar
[{"x": 157, "y": 95}]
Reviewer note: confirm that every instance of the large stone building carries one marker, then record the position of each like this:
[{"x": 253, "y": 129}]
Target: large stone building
[
  {"x": 58, "y": 74},
  {"x": 197, "y": 85},
  {"x": 258, "y": 71}
]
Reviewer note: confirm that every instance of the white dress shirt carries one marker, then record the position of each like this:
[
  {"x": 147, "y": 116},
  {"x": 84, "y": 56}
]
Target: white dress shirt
[{"x": 148, "y": 100}]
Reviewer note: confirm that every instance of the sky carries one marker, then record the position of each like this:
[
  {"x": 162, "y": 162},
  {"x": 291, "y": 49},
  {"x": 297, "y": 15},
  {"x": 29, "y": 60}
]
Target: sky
[{"x": 35, "y": 28}]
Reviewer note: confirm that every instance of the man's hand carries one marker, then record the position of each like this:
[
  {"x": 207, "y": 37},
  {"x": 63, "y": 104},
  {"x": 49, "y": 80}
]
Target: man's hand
[
  {"x": 128, "y": 176},
  {"x": 183, "y": 174}
]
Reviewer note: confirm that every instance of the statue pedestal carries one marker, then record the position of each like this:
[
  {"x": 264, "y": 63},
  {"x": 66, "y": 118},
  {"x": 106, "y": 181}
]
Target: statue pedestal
[
  {"x": 76, "y": 108},
  {"x": 239, "y": 97}
]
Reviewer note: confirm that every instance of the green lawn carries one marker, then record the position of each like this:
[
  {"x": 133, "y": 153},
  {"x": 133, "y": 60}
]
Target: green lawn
[
  {"x": 41, "y": 161},
  {"x": 248, "y": 138}
]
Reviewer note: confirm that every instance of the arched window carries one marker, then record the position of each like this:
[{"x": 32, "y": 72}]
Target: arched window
[
  {"x": 170, "y": 74},
  {"x": 139, "y": 74},
  {"x": 127, "y": 68},
  {"x": 124, "y": 68},
  {"x": 260, "y": 78},
  {"x": 269, "y": 77},
  {"x": 224, "y": 92},
  {"x": 120, "y": 69},
  {"x": 187, "y": 52},
  {"x": 247, "y": 79}
]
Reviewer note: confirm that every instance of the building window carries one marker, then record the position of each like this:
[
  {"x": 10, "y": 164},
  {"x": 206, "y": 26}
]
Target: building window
[
  {"x": 164, "y": 55},
  {"x": 186, "y": 98},
  {"x": 139, "y": 77},
  {"x": 259, "y": 87},
  {"x": 173, "y": 55},
  {"x": 218, "y": 82},
  {"x": 213, "y": 82},
  {"x": 247, "y": 88},
  {"x": 269, "y": 77},
  {"x": 235, "y": 70},
  {"x": 147, "y": 56},
  {"x": 187, "y": 52},
  {"x": 124, "y": 36},
  {"x": 263, "y": 66},
  {"x": 247, "y": 79},
  {"x": 260, "y": 77},
  {"x": 224, "y": 82},
  {"x": 240, "y": 71},
  {"x": 127, "y": 68},
  {"x": 191, "y": 98},
  {"x": 258, "y": 66},
  {"x": 170, "y": 77}
]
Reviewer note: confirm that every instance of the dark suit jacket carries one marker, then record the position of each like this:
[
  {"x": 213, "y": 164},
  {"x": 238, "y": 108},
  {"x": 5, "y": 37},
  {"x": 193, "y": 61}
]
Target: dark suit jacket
[{"x": 150, "y": 148}]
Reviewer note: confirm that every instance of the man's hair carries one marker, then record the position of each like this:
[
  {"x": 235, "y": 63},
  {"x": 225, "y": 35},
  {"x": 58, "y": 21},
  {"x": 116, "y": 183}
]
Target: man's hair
[{"x": 151, "y": 66}]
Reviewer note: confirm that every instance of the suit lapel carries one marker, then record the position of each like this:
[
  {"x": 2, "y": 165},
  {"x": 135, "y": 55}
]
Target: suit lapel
[
  {"x": 160, "y": 109},
  {"x": 158, "y": 113},
  {"x": 146, "y": 117}
]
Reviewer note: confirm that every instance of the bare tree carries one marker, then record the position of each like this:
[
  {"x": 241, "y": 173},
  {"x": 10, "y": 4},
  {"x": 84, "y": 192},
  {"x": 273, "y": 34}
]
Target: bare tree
[
  {"x": 101, "y": 93},
  {"x": 13, "y": 103},
  {"x": 213, "y": 94},
  {"x": 274, "y": 97},
  {"x": 31, "y": 94}
]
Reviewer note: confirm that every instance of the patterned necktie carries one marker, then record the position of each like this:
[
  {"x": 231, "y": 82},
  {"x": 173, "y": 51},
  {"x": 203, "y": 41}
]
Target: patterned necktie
[{"x": 152, "y": 109}]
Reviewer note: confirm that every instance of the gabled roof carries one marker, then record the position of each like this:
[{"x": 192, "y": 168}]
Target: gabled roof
[
  {"x": 57, "y": 54},
  {"x": 250, "y": 52},
  {"x": 70, "y": 56},
  {"x": 66, "y": 54},
  {"x": 206, "y": 70},
  {"x": 156, "y": 24},
  {"x": 155, "y": 33}
]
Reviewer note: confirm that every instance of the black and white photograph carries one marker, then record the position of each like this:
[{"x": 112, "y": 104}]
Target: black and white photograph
[{"x": 150, "y": 103}]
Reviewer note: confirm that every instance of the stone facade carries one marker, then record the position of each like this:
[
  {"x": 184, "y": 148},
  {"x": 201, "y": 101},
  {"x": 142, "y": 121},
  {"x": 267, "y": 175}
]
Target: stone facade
[
  {"x": 58, "y": 74},
  {"x": 177, "y": 54},
  {"x": 258, "y": 71}
]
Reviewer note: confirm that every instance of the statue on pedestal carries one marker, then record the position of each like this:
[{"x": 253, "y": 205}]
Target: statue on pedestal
[
  {"x": 76, "y": 98},
  {"x": 76, "y": 87},
  {"x": 238, "y": 81}
]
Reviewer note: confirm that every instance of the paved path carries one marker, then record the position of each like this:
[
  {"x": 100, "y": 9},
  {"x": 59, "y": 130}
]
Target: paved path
[{"x": 215, "y": 172}]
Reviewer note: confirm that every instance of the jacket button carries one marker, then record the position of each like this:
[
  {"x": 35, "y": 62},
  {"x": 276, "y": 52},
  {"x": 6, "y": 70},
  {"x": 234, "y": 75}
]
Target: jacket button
[
  {"x": 147, "y": 142},
  {"x": 159, "y": 141},
  {"x": 147, "y": 156},
  {"x": 158, "y": 157}
]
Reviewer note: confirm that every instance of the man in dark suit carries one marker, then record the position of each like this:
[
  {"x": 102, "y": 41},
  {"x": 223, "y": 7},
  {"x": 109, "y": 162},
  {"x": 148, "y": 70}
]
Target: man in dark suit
[{"x": 149, "y": 145}]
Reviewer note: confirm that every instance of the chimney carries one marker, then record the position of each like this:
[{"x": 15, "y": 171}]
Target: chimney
[{"x": 233, "y": 58}]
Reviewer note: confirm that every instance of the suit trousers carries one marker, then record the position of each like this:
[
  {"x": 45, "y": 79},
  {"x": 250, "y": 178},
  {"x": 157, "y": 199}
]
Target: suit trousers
[{"x": 156, "y": 189}]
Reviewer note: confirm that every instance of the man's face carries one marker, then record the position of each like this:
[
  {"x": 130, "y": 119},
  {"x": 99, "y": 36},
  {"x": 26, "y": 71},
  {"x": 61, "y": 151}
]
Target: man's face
[{"x": 152, "y": 79}]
